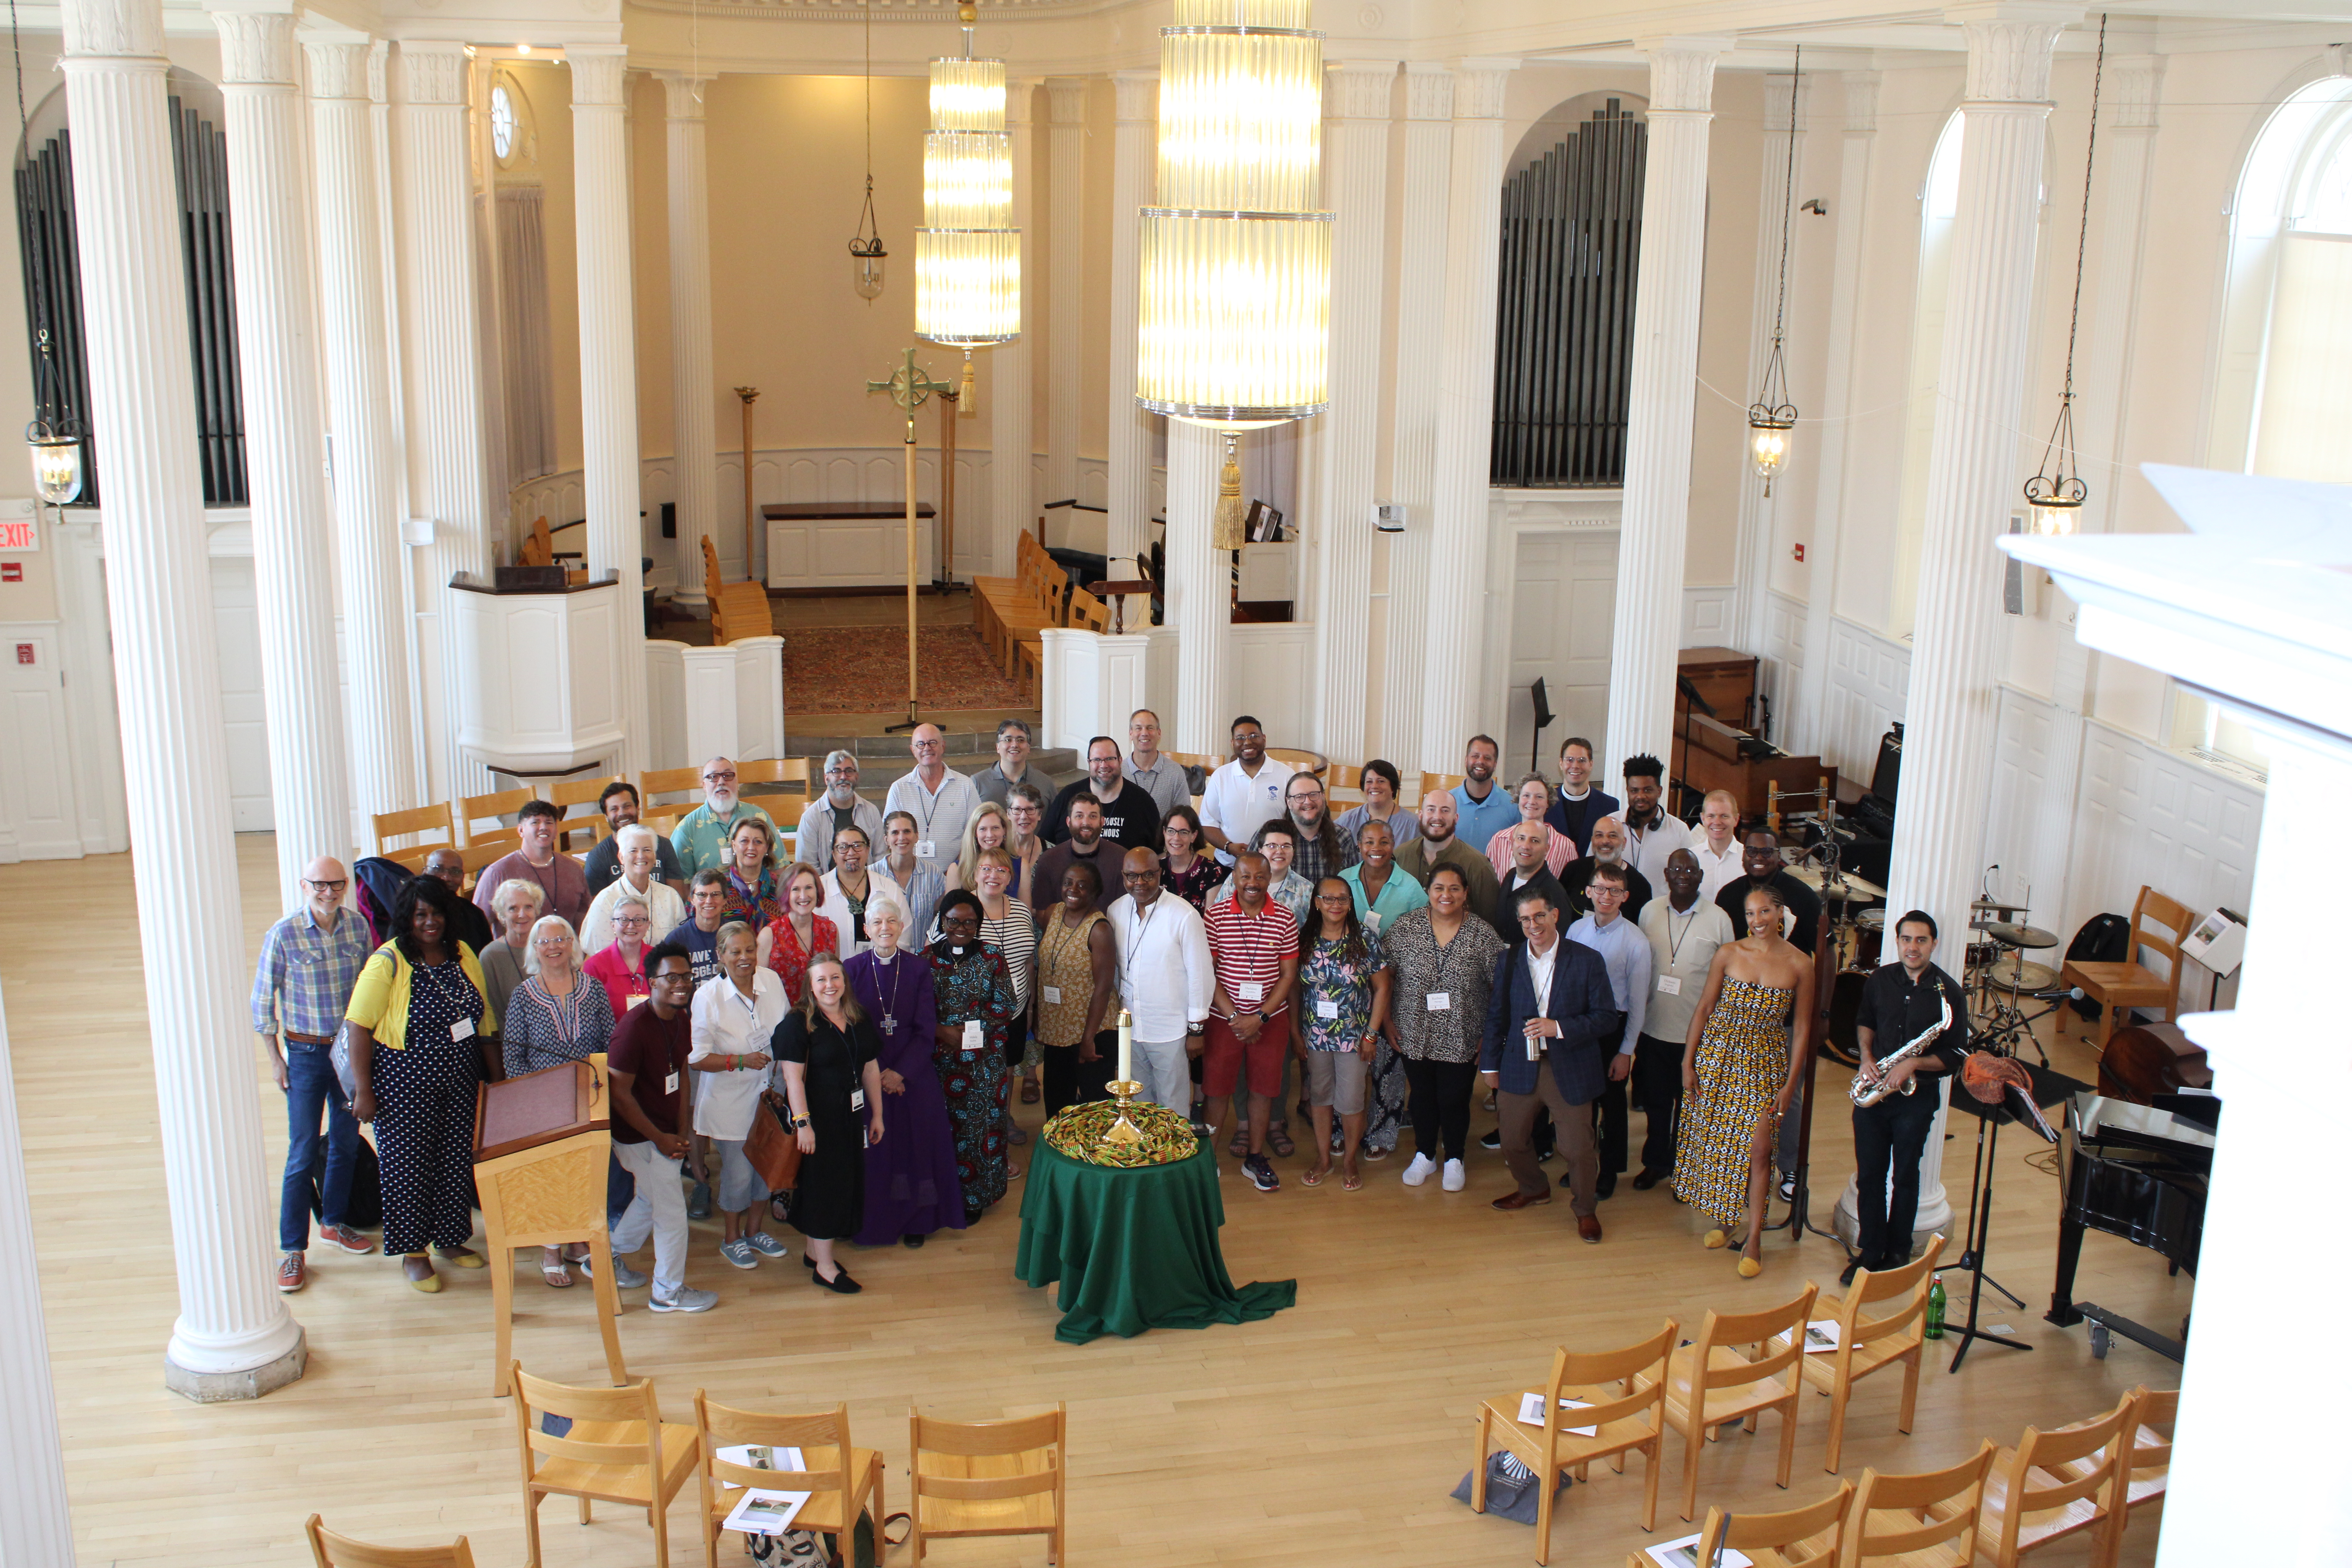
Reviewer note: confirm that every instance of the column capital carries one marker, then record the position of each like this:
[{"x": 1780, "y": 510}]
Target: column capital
[
  {"x": 1682, "y": 72},
  {"x": 432, "y": 71},
  {"x": 1779, "y": 89},
  {"x": 600, "y": 74},
  {"x": 1478, "y": 86},
  {"x": 1019, "y": 107},
  {"x": 1428, "y": 90},
  {"x": 2010, "y": 46},
  {"x": 682, "y": 93},
  {"x": 125, "y": 30},
  {"x": 1862, "y": 103},
  {"x": 1065, "y": 99},
  {"x": 1139, "y": 95},
  {"x": 256, "y": 48},
  {"x": 2136, "y": 87},
  {"x": 1358, "y": 89},
  {"x": 379, "y": 69},
  {"x": 339, "y": 68}
]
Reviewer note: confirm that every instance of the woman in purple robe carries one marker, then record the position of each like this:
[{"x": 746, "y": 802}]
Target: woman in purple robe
[{"x": 911, "y": 1188}]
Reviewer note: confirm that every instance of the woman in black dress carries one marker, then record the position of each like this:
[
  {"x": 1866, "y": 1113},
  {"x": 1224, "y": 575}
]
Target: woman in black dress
[{"x": 828, "y": 1049}]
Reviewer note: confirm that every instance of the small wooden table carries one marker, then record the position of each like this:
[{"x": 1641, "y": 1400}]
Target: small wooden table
[{"x": 1116, "y": 593}]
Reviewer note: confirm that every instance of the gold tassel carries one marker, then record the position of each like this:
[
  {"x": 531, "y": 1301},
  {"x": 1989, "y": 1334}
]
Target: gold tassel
[
  {"x": 1225, "y": 523},
  {"x": 968, "y": 396}
]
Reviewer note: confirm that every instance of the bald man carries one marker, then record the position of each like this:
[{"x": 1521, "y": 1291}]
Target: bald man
[
  {"x": 939, "y": 799},
  {"x": 310, "y": 961},
  {"x": 473, "y": 923},
  {"x": 1716, "y": 846},
  {"x": 1165, "y": 980}
]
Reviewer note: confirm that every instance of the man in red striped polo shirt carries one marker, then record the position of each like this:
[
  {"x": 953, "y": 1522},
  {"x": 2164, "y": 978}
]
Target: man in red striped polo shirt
[{"x": 1253, "y": 949}]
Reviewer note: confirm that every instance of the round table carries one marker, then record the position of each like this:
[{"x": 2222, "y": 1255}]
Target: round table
[{"x": 1133, "y": 1249}]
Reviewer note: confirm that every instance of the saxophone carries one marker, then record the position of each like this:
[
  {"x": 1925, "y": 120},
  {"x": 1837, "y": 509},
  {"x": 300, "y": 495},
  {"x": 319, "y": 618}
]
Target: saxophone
[{"x": 1865, "y": 1092}]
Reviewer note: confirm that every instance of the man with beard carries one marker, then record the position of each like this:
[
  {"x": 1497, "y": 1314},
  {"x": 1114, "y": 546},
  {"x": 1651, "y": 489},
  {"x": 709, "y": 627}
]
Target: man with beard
[
  {"x": 1608, "y": 849},
  {"x": 838, "y": 807},
  {"x": 1441, "y": 844},
  {"x": 1652, "y": 833},
  {"x": 620, "y": 805},
  {"x": 1244, "y": 792},
  {"x": 1129, "y": 819},
  {"x": 1086, "y": 842},
  {"x": 700, "y": 837},
  {"x": 1482, "y": 808}
]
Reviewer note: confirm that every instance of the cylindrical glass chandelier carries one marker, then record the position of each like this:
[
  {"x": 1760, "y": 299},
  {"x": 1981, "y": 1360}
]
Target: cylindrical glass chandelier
[
  {"x": 1234, "y": 310},
  {"x": 967, "y": 253}
]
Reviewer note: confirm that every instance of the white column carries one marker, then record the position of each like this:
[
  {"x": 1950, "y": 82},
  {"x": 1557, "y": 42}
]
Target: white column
[
  {"x": 692, "y": 396},
  {"x": 436, "y": 236},
  {"x": 1841, "y": 356},
  {"x": 608, "y": 361},
  {"x": 234, "y": 1337},
  {"x": 285, "y": 449},
  {"x": 1065, "y": 264},
  {"x": 1200, "y": 593},
  {"x": 36, "y": 1528},
  {"x": 1452, "y": 675},
  {"x": 366, "y": 454},
  {"x": 501, "y": 538},
  {"x": 1011, "y": 484},
  {"x": 1413, "y": 450},
  {"x": 1356, "y": 186},
  {"x": 1133, "y": 160},
  {"x": 1663, "y": 381},
  {"x": 1755, "y": 545}
]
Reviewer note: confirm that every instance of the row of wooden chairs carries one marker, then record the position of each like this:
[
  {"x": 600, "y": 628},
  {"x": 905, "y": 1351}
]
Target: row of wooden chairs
[
  {"x": 969, "y": 1478},
  {"x": 1009, "y": 612},
  {"x": 738, "y": 610}
]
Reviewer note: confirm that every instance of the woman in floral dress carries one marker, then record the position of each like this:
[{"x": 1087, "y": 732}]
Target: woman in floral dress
[{"x": 975, "y": 1003}]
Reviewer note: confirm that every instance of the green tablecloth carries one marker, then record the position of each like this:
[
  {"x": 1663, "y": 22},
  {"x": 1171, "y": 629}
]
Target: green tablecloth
[{"x": 1133, "y": 1249}]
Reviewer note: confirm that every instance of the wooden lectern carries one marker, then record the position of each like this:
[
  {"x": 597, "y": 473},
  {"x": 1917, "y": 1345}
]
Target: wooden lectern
[{"x": 542, "y": 1143}]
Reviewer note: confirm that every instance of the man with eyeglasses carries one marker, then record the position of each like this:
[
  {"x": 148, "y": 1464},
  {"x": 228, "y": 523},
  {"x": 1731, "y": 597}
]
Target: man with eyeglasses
[
  {"x": 620, "y": 805},
  {"x": 1165, "y": 980},
  {"x": 939, "y": 799},
  {"x": 838, "y": 807},
  {"x": 1129, "y": 819},
  {"x": 1012, "y": 764},
  {"x": 700, "y": 837},
  {"x": 310, "y": 961}
]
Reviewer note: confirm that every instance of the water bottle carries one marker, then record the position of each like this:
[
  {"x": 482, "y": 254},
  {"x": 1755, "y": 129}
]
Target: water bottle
[{"x": 1934, "y": 1327}]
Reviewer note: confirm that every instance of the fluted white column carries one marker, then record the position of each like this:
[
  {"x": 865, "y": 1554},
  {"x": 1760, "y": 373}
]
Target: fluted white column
[
  {"x": 692, "y": 396},
  {"x": 1134, "y": 152},
  {"x": 1756, "y": 540},
  {"x": 608, "y": 360},
  {"x": 1454, "y": 673},
  {"x": 1066, "y": 271},
  {"x": 1412, "y": 448},
  {"x": 35, "y": 1527},
  {"x": 1842, "y": 350},
  {"x": 285, "y": 446},
  {"x": 1012, "y": 483},
  {"x": 1200, "y": 589},
  {"x": 1356, "y": 184},
  {"x": 499, "y": 536},
  {"x": 234, "y": 1337},
  {"x": 366, "y": 454},
  {"x": 1663, "y": 380}
]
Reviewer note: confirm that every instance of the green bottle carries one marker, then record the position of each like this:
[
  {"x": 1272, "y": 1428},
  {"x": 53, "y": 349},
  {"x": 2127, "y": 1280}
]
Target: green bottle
[{"x": 1934, "y": 1329}]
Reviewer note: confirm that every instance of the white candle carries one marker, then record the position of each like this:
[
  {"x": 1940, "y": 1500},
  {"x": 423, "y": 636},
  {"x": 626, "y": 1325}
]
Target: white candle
[{"x": 1126, "y": 1047}]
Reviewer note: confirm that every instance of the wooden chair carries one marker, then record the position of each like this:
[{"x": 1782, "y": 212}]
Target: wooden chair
[
  {"x": 1088, "y": 614},
  {"x": 738, "y": 610},
  {"x": 568, "y": 793},
  {"x": 2150, "y": 1450},
  {"x": 1302, "y": 762},
  {"x": 1931, "y": 1517},
  {"x": 1808, "y": 1537},
  {"x": 1711, "y": 1382},
  {"x": 539, "y": 545},
  {"x": 1872, "y": 1345},
  {"x": 991, "y": 595},
  {"x": 1024, "y": 623},
  {"x": 839, "y": 1478},
  {"x": 2157, "y": 922},
  {"x": 1626, "y": 1418},
  {"x": 618, "y": 1450},
  {"x": 1344, "y": 783},
  {"x": 2061, "y": 1483},
  {"x": 1432, "y": 782},
  {"x": 423, "y": 819},
  {"x": 990, "y": 1477},
  {"x": 655, "y": 782},
  {"x": 478, "y": 817},
  {"x": 328, "y": 1550},
  {"x": 1207, "y": 761},
  {"x": 777, "y": 771}
]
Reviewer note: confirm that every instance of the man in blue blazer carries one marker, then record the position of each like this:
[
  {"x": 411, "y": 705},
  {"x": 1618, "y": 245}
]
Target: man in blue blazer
[{"x": 1549, "y": 1014}]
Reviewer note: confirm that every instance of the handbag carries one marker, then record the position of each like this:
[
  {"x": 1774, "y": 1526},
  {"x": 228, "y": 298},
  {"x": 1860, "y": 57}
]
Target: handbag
[
  {"x": 339, "y": 1056},
  {"x": 772, "y": 1150},
  {"x": 1510, "y": 1488}
]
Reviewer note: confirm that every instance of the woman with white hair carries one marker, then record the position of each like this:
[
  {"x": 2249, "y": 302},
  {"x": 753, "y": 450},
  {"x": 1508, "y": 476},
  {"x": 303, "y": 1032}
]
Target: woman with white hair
[
  {"x": 640, "y": 878},
  {"x": 733, "y": 1018},
  {"x": 518, "y": 902},
  {"x": 557, "y": 1015},
  {"x": 911, "y": 1186}
]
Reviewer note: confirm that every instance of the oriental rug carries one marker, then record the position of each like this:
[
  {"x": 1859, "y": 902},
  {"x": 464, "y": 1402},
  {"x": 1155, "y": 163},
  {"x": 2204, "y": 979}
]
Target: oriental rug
[{"x": 863, "y": 669}]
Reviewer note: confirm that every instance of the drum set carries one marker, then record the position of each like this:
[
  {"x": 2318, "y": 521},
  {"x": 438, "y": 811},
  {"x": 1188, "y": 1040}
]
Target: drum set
[{"x": 1998, "y": 975}]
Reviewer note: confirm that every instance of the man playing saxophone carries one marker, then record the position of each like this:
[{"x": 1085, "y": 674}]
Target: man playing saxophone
[{"x": 1901, "y": 1003}]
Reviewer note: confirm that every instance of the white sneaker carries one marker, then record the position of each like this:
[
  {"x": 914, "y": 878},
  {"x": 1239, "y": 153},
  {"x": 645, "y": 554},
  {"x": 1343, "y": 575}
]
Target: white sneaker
[
  {"x": 1456, "y": 1178},
  {"x": 1420, "y": 1171}
]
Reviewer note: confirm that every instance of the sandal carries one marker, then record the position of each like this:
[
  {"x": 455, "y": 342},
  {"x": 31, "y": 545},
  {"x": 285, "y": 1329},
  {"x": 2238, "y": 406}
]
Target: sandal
[
  {"x": 1029, "y": 1095},
  {"x": 1278, "y": 1140},
  {"x": 557, "y": 1276},
  {"x": 1353, "y": 1182},
  {"x": 1314, "y": 1178},
  {"x": 1239, "y": 1147}
]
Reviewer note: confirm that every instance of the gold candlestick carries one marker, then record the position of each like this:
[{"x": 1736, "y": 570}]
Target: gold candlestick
[{"x": 1123, "y": 1130}]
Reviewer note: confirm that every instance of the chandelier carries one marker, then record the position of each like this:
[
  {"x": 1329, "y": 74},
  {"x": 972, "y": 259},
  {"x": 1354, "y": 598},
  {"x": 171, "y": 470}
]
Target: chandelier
[
  {"x": 967, "y": 253},
  {"x": 2055, "y": 494},
  {"x": 1771, "y": 417},
  {"x": 1234, "y": 306}
]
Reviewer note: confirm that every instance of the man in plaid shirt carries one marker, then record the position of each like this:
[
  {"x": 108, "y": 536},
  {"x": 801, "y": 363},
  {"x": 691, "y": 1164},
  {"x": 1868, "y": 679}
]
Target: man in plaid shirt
[{"x": 310, "y": 960}]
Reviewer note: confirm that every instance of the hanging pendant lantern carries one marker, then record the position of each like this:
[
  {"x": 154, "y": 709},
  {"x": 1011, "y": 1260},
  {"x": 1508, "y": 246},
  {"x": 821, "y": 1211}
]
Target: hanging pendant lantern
[
  {"x": 53, "y": 440},
  {"x": 1771, "y": 418},
  {"x": 2055, "y": 494},
  {"x": 967, "y": 253},
  {"x": 866, "y": 252}
]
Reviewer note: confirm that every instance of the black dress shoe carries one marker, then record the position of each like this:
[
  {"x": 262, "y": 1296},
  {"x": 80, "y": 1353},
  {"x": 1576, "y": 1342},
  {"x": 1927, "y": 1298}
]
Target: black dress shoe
[
  {"x": 1606, "y": 1186},
  {"x": 1492, "y": 1141},
  {"x": 1647, "y": 1178},
  {"x": 1853, "y": 1268},
  {"x": 910, "y": 1239},
  {"x": 841, "y": 1284}
]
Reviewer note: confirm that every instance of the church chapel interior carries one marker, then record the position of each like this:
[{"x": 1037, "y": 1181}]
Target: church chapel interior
[{"x": 1921, "y": 430}]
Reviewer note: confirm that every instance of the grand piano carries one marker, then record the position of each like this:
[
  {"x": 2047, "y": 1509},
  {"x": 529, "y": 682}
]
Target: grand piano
[{"x": 2137, "y": 1172}]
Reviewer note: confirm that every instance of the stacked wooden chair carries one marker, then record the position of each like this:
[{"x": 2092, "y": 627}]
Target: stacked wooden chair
[{"x": 738, "y": 610}]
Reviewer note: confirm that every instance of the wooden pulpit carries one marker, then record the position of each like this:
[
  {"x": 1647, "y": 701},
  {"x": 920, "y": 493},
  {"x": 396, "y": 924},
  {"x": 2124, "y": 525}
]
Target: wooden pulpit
[{"x": 542, "y": 1144}]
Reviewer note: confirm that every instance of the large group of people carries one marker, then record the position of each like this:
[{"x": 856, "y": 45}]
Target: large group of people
[{"x": 886, "y": 994}]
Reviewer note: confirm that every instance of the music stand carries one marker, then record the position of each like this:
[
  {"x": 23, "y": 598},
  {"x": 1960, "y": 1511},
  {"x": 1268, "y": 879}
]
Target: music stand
[
  {"x": 1544, "y": 717},
  {"x": 2049, "y": 1088}
]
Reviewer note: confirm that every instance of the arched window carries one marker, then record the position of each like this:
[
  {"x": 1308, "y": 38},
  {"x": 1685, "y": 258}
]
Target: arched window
[{"x": 1939, "y": 202}]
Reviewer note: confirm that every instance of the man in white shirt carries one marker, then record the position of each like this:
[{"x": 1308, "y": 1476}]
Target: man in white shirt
[
  {"x": 1651, "y": 832},
  {"x": 838, "y": 807},
  {"x": 1165, "y": 980},
  {"x": 940, "y": 800},
  {"x": 1160, "y": 778},
  {"x": 1625, "y": 951},
  {"x": 849, "y": 880},
  {"x": 1716, "y": 844},
  {"x": 639, "y": 859},
  {"x": 1244, "y": 792},
  {"x": 1685, "y": 929}
]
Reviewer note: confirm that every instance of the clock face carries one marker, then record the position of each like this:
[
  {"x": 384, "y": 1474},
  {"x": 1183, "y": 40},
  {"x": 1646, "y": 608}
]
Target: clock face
[{"x": 502, "y": 121}]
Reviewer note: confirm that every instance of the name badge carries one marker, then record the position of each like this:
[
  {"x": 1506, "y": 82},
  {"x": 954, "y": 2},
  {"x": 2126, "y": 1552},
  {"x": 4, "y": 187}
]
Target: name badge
[
  {"x": 637, "y": 999},
  {"x": 974, "y": 1039},
  {"x": 856, "y": 1100},
  {"x": 1326, "y": 1009},
  {"x": 669, "y": 1084},
  {"x": 462, "y": 1029},
  {"x": 926, "y": 849},
  {"x": 1670, "y": 986},
  {"x": 1439, "y": 1002},
  {"x": 1250, "y": 990},
  {"x": 1372, "y": 922},
  {"x": 1054, "y": 995}
]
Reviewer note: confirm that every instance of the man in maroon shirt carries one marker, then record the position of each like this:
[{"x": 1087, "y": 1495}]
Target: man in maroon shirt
[{"x": 646, "y": 1062}]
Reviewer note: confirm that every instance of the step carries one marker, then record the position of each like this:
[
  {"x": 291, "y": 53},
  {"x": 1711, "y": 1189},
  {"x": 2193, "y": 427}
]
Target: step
[{"x": 966, "y": 750}]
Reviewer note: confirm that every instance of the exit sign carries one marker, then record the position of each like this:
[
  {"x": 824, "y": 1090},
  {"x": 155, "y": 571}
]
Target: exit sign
[{"x": 19, "y": 533}]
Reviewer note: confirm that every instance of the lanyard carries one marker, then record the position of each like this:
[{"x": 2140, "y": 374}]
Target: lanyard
[
  {"x": 898, "y": 981},
  {"x": 1135, "y": 940},
  {"x": 1054, "y": 956},
  {"x": 1673, "y": 942}
]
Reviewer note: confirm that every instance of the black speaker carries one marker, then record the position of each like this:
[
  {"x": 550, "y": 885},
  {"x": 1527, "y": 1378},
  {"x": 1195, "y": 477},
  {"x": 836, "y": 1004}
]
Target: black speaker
[{"x": 1886, "y": 778}]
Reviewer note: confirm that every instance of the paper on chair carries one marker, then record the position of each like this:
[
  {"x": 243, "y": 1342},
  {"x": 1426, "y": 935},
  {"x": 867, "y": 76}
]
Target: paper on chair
[
  {"x": 1684, "y": 1553},
  {"x": 762, "y": 1512},
  {"x": 1821, "y": 1334},
  {"x": 760, "y": 1457},
  {"x": 1531, "y": 1414}
]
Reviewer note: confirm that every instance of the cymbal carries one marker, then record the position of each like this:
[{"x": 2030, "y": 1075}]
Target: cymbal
[
  {"x": 1872, "y": 920},
  {"x": 2015, "y": 969},
  {"x": 1855, "y": 891},
  {"x": 1986, "y": 905},
  {"x": 2009, "y": 935}
]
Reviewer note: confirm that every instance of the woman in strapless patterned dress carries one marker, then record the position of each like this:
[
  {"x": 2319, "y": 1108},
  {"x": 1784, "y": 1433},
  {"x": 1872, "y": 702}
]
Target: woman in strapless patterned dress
[{"x": 1740, "y": 1072}]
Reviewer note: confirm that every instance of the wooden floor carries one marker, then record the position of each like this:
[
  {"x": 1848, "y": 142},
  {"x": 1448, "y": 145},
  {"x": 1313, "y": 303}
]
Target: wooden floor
[{"x": 1330, "y": 1433}]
